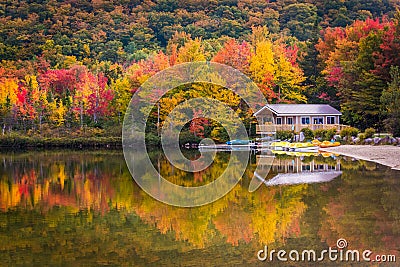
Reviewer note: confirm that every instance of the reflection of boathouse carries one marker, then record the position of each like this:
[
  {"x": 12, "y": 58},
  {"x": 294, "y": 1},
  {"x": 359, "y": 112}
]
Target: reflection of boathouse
[
  {"x": 288, "y": 170},
  {"x": 299, "y": 164}
]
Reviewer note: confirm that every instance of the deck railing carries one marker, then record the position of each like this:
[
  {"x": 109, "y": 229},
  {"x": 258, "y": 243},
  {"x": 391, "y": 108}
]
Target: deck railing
[{"x": 272, "y": 128}]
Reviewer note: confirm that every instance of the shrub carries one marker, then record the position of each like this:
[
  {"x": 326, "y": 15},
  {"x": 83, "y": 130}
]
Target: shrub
[
  {"x": 284, "y": 135},
  {"x": 308, "y": 133},
  {"x": 219, "y": 134},
  {"x": 329, "y": 134},
  {"x": 362, "y": 137},
  {"x": 188, "y": 137},
  {"x": 349, "y": 132},
  {"x": 320, "y": 133},
  {"x": 369, "y": 132}
]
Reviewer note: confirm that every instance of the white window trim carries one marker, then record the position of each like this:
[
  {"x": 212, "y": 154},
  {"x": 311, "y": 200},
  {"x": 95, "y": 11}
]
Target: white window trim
[{"x": 276, "y": 120}]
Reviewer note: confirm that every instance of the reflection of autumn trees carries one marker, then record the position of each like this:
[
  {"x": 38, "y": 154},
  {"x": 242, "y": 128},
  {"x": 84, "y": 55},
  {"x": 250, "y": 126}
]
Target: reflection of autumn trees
[
  {"x": 100, "y": 183},
  {"x": 83, "y": 205},
  {"x": 89, "y": 184},
  {"x": 364, "y": 208},
  {"x": 79, "y": 182}
]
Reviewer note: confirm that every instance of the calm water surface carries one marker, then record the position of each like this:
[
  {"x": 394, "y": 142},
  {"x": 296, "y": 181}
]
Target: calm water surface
[{"x": 83, "y": 208}]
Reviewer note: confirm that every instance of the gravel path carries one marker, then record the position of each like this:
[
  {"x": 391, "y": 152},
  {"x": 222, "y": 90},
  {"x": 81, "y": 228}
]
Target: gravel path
[{"x": 385, "y": 155}]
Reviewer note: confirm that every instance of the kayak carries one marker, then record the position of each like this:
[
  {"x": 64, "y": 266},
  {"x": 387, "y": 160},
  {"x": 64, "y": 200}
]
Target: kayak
[
  {"x": 279, "y": 145},
  {"x": 316, "y": 142},
  {"x": 303, "y": 147},
  {"x": 238, "y": 142},
  {"x": 326, "y": 144}
]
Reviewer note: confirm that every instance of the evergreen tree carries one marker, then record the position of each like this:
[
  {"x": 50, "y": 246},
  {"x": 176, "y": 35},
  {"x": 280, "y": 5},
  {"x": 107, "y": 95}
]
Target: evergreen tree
[{"x": 391, "y": 102}]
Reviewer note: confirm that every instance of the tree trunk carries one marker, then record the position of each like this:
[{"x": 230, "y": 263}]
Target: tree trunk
[{"x": 81, "y": 111}]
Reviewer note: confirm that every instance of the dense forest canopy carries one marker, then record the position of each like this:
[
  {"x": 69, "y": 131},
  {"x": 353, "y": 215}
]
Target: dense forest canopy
[
  {"x": 126, "y": 30},
  {"x": 74, "y": 63}
]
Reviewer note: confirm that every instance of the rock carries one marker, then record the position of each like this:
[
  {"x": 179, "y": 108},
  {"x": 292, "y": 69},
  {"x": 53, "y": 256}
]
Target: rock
[
  {"x": 356, "y": 140},
  {"x": 393, "y": 141},
  {"x": 386, "y": 140},
  {"x": 337, "y": 137},
  {"x": 377, "y": 140},
  {"x": 368, "y": 141}
]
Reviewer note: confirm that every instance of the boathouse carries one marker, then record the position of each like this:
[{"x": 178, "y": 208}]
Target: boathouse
[{"x": 294, "y": 117}]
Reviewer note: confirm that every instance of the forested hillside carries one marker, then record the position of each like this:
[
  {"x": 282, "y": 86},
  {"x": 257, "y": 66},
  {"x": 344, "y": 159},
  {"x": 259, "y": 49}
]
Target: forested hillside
[
  {"x": 122, "y": 30},
  {"x": 75, "y": 63}
]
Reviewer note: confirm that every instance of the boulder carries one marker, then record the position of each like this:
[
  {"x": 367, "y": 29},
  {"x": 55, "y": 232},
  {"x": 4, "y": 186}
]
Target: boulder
[
  {"x": 377, "y": 140},
  {"x": 368, "y": 141},
  {"x": 386, "y": 140},
  {"x": 337, "y": 137}
]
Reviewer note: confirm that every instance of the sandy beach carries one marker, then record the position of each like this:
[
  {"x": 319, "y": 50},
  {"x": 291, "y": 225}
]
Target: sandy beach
[{"x": 385, "y": 155}]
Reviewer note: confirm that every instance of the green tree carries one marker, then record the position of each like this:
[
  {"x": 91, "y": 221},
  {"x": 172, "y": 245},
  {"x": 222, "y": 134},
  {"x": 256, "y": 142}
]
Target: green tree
[{"x": 391, "y": 102}]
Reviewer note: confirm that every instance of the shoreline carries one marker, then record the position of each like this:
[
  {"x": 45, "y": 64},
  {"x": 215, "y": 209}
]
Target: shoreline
[
  {"x": 386, "y": 155},
  {"x": 38, "y": 142}
]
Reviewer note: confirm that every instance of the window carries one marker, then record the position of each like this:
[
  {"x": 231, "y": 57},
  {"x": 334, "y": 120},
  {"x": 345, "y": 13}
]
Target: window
[
  {"x": 289, "y": 120},
  {"x": 330, "y": 120},
  {"x": 319, "y": 167},
  {"x": 306, "y": 168},
  {"x": 278, "y": 120},
  {"x": 305, "y": 120},
  {"x": 318, "y": 120}
]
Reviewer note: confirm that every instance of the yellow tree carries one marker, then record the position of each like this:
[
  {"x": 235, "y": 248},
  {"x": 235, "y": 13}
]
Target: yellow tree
[
  {"x": 262, "y": 68},
  {"x": 123, "y": 92},
  {"x": 57, "y": 112},
  {"x": 274, "y": 68},
  {"x": 193, "y": 50},
  {"x": 8, "y": 97},
  {"x": 38, "y": 97},
  {"x": 288, "y": 78},
  {"x": 8, "y": 91},
  {"x": 262, "y": 62}
]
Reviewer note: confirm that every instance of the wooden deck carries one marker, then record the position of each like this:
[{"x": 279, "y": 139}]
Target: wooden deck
[{"x": 272, "y": 128}]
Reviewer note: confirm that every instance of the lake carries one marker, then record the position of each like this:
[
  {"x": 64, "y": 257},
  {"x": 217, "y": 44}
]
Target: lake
[{"x": 84, "y": 208}]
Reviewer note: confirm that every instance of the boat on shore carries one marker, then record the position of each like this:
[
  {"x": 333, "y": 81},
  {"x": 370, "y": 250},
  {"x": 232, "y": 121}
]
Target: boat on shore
[
  {"x": 239, "y": 142},
  {"x": 326, "y": 144},
  {"x": 279, "y": 146}
]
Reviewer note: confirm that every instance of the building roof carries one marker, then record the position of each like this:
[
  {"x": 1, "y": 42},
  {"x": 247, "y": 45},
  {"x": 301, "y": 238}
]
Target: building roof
[{"x": 300, "y": 109}]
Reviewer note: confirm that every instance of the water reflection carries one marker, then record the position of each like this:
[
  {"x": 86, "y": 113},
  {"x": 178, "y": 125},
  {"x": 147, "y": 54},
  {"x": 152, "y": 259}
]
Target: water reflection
[{"x": 84, "y": 206}]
